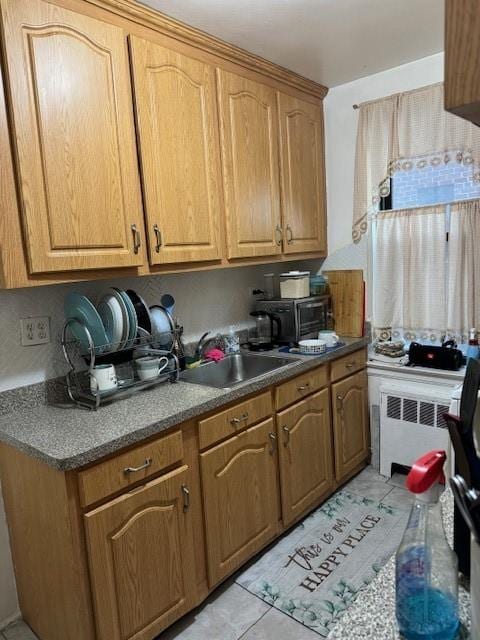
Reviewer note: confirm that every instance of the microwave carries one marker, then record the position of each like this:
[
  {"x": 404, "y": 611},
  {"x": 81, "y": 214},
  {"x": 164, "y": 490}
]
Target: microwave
[{"x": 299, "y": 318}]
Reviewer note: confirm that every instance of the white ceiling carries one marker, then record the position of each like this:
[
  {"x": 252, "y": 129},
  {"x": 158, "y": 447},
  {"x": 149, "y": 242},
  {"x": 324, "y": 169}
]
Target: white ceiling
[{"x": 330, "y": 41}]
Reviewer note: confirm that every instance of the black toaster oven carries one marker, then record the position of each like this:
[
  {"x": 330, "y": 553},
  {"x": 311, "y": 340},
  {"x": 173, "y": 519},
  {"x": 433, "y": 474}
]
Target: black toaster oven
[{"x": 299, "y": 318}]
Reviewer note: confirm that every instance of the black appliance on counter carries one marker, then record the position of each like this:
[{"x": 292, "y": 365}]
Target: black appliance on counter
[{"x": 298, "y": 318}]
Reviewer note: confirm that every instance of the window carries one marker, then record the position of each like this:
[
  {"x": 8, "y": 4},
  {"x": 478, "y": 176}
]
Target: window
[{"x": 433, "y": 185}]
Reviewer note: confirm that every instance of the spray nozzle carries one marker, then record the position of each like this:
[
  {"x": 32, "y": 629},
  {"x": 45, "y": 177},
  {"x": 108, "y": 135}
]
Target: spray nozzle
[{"x": 427, "y": 471}]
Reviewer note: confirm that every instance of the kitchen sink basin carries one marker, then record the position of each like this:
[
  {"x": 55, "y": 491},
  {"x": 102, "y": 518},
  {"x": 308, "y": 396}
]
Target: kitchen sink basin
[{"x": 233, "y": 369}]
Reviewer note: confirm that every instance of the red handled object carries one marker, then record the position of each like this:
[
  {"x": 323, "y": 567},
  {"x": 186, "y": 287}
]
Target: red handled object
[{"x": 427, "y": 471}]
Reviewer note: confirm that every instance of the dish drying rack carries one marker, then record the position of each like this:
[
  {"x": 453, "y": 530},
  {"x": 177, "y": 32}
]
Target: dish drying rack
[{"x": 81, "y": 362}]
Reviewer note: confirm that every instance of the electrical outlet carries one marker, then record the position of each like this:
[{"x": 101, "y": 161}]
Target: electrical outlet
[{"x": 35, "y": 331}]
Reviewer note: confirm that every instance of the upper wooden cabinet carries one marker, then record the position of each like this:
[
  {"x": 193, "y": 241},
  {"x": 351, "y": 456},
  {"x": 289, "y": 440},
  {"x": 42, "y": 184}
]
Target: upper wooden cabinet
[
  {"x": 74, "y": 138},
  {"x": 302, "y": 174},
  {"x": 176, "y": 112},
  {"x": 249, "y": 137},
  {"x": 462, "y": 52}
]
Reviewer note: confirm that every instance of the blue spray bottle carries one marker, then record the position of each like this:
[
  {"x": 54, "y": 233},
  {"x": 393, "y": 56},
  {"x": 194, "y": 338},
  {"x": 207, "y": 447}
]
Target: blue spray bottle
[{"x": 426, "y": 567}]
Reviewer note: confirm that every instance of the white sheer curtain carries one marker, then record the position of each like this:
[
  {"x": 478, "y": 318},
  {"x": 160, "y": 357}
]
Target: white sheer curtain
[
  {"x": 409, "y": 294},
  {"x": 464, "y": 268},
  {"x": 406, "y": 131}
]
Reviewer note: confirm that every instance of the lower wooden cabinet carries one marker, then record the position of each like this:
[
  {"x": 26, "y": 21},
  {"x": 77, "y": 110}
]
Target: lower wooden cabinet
[
  {"x": 140, "y": 549},
  {"x": 305, "y": 452},
  {"x": 240, "y": 491},
  {"x": 350, "y": 423}
]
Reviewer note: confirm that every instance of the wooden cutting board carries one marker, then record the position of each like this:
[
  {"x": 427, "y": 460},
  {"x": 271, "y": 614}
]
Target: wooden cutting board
[{"x": 348, "y": 301}]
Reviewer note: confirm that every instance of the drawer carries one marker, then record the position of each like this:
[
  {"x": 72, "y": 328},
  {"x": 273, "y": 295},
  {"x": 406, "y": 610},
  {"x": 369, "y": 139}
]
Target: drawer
[
  {"x": 348, "y": 364},
  {"x": 124, "y": 470},
  {"x": 226, "y": 423},
  {"x": 300, "y": 387}
]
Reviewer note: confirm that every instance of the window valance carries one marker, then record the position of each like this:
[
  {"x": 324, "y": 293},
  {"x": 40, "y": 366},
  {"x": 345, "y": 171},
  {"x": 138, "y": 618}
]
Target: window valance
[{"x": 401, "y": 132}]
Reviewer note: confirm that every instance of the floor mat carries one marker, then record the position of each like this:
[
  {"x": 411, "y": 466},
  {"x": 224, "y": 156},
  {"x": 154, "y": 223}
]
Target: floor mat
[{"x": 317, "y": 570}]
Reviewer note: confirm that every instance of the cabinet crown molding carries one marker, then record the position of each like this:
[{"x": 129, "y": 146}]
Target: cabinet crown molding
[{"x": 166, "y": 25}]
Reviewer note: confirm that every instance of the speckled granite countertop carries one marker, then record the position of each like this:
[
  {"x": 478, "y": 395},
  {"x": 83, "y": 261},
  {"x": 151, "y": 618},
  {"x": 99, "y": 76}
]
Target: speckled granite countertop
[
  {"x": 67, "y": 437},
  {"x": 372, "y": 616}
]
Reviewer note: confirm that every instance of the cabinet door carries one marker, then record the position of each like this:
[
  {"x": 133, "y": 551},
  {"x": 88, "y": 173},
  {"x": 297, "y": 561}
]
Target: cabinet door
[
  {"x": 74, "y": 138},
  {"x": 240, "y": 494},
  {"x": 350, "y": 423},
  {"x": 140, "y": 549},
  {"x": 302, "y": 174},
  {"x": 180, "y": 158},
  {"x": 248, "y": 119},
  {"x": 306, "y": 454}
]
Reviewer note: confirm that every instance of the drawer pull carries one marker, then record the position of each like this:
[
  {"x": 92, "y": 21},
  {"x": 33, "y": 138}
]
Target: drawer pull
[
  {"x": 286, "y": 431},
  {"x": 241, "y": 418},
  {"x": 146, "y": 464},
  {"x": 158, "y": 236},
  {"x": 304, "y": 387},
  {"x": 136, "y": 238},
  {"x": 350, "y": 365},
  {"x": 273, "y": 442},
  {"x": 186, "y": 498}
]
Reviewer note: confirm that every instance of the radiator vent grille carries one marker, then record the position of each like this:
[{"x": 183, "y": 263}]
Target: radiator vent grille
[
  {"x": 410, "y": 410},
  {"x": 394, "y": 407},
  {"x": 416, "y": 411}
]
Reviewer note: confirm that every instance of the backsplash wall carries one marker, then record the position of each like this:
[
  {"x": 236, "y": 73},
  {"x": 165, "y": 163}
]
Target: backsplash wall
[{"x": 205, "y": 301}]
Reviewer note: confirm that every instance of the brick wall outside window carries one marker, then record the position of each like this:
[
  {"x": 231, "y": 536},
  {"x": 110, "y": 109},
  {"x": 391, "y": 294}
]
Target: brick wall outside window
[{"x": 432, "y": 185}]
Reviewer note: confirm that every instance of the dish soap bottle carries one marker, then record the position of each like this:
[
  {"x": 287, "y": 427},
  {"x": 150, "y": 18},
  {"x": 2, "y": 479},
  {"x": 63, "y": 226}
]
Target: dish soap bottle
[
  {"x": 426, "y": 567},
  {"x": 472, "y": 349}
]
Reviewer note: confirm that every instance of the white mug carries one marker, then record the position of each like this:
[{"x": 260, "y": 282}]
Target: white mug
[
  {"x": 103, "y": 378},
  {"x": 330, "y": 337},
  {"x": 150, "y": 367}
]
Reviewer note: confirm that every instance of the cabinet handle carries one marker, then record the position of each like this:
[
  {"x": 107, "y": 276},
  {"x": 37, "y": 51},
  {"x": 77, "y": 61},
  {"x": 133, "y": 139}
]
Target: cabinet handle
[
  {"x": 278, "y": 234},
  {"x": 286, "y": 431},
  {"x": 289, "y": 234},
  {"x": 340, "y": 403},
  {"x": 350, "y": 365},
  {"x": 273, "y": 442},
  {"x": 158, "y": 236},
  {"x": 186, "y": 498},
  {"x": 147, "y": 463},
  {"x": 241, "y": 418},
  {"x": 304, "y": 387},
  {"x": 136, "y": 238}
]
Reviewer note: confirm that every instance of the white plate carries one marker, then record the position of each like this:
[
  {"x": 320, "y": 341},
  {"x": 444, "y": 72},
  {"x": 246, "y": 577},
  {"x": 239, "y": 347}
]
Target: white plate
[
  {"x": 162, "y": 325},
  {"x": 114, "y": 315}
]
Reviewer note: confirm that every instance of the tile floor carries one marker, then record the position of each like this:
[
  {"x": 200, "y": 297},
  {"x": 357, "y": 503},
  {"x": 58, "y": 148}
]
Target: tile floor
[{"x": 231, "y": 612}]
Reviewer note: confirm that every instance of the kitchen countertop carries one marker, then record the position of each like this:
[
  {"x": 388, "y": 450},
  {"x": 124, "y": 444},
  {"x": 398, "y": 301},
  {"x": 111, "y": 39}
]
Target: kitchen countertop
[{"x": 67, "y": 437}]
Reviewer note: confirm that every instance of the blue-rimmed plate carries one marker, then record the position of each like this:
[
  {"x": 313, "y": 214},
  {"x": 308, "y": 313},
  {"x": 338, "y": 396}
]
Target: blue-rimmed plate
[
  {"x": 79, "y": 307},
  {"x": 132, "y": 316},
  {"x": 113, "y": 312}
]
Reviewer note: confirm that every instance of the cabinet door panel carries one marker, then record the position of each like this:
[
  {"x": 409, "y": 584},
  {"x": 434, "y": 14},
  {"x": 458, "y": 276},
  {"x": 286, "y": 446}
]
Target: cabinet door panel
[
  {"x": 177, "y": 123},
  {"x": 350, "y": 423},
  {"x": 306, "y": 454},
  {"x": 302, "y": 174},
  {"x": 74, "y": 138},
  {"x": 248, "y": 119},
  {"x": 240, "y": 491},
  {"x": 140, "y": 548}
]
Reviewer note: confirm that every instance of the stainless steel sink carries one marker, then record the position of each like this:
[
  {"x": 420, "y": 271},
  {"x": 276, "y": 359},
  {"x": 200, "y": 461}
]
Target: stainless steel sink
[{"x": 234, "y": 369}]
